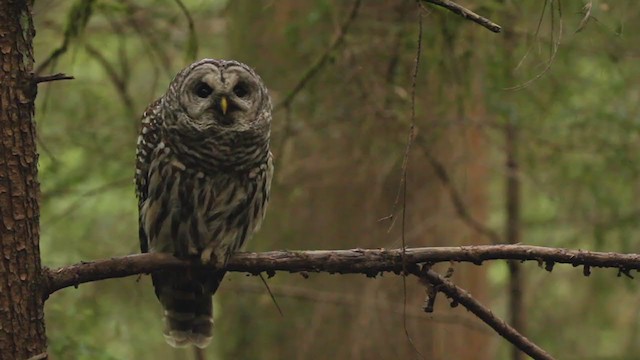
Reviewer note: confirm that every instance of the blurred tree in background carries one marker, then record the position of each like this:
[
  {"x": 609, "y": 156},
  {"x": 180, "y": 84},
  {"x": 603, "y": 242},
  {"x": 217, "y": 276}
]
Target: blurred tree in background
[{"x": 558, "y": 83}]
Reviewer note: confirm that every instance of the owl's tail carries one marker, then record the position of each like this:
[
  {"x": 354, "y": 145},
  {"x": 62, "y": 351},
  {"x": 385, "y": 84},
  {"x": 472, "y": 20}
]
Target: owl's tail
[{"x": 186, "y": 296}]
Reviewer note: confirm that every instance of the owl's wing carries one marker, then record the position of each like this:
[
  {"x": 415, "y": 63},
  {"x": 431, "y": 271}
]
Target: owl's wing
[{"x": 147, "y": 141}]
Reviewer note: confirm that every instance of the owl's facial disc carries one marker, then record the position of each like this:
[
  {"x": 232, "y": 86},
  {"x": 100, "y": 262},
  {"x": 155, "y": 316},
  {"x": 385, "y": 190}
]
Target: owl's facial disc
[{"x": 218, "y": 96}]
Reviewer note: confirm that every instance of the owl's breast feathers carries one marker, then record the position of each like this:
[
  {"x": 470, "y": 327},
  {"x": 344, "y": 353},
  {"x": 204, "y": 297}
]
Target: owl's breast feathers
[{"x": 191, "y": 211}]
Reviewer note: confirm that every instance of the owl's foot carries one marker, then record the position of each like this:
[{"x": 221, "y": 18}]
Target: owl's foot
[{"x": 211, "y": 257}]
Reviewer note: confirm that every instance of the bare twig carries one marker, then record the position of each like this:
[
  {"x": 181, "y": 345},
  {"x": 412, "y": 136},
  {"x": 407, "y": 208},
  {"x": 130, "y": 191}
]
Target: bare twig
[
  {"x": 370, "y": 262},
  {"x": 536, "y": 35},
  {"x": 273, "y": 298},
  {"x": 322, "y": 60},
  {"x": 466, "y": 13},
  {"x": 555, "y": 46},
  {"x": 54, "y": 77},
  {"x": 462, "y": 297},
  {"x": 402, "y": 187},
  {"x": 41, "y": 356},
  {"x": 405, "y": 170}
]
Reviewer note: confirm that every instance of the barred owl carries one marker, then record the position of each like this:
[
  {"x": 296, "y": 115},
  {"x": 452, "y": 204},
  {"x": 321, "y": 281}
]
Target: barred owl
[{"x": 203, "y": 174}]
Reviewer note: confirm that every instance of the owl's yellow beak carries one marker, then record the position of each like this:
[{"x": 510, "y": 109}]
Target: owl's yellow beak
[{"x": 224, "y": 104}]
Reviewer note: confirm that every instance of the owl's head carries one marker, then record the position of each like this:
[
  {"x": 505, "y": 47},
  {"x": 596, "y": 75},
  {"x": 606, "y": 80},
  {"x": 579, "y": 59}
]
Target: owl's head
[{"x": 218, "y": 97}]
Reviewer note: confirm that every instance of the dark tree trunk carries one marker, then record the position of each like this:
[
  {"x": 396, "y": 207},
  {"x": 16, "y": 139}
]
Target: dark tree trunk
[
  {"x": 516, "y": 278},
  {"x": 513, "y": 192},
  {"x": 22, "y": 332}
]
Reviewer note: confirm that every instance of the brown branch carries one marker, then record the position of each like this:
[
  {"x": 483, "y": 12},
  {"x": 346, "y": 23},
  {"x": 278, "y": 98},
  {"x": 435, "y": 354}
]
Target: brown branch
[
  {"x": 54, "y": 77},
  {"x": 462, "y": 297},
  {"x": 370, "y": 262},
  {"x": 363, "y": 261},
  {"x": 466, "y": 13}
]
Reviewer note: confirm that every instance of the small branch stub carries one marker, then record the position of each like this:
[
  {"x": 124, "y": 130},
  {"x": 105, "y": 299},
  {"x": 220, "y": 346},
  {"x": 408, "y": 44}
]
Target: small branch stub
[
  {"x": 467, "y": 14},
  {"x": 49, "y": 78}
]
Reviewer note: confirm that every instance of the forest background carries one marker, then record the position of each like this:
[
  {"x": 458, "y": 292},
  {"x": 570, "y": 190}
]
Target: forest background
[{"x": 535, "y": 130}]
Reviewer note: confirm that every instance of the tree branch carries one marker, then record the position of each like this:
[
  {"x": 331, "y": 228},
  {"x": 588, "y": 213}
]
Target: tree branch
[
  {"x": 462, "y": 297},
  {"x": 466, "y": 13},
  {"x": 370, "y": 262},
  {"x": 54, "y": 77}
]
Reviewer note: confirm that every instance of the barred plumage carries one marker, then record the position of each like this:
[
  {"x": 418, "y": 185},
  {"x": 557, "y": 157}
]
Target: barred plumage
[{"x": 203, "y": 175}]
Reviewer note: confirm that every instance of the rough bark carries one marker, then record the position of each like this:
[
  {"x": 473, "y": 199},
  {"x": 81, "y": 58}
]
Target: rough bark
[{"x": 22, "y": 332}]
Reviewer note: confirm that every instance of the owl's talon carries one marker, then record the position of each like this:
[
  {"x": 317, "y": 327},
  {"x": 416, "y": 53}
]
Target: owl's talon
[{"x": 209, "y": 257}]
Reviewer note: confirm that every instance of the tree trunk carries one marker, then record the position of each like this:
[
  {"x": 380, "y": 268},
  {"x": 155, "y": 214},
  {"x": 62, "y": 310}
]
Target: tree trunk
[
  {"x": 513, "y": 198},
  {"x": 22, "y": 332},
  {"x": 513, "y": 195}
]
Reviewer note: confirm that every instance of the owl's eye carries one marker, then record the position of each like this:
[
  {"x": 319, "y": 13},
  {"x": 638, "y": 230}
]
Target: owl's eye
[
  {"x": 240, "y": 90},
  {"x": 203, "y": 90}
]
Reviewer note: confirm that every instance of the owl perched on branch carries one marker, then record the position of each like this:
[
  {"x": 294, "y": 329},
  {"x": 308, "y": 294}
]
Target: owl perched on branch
[{"x": 203, "y": 175}]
